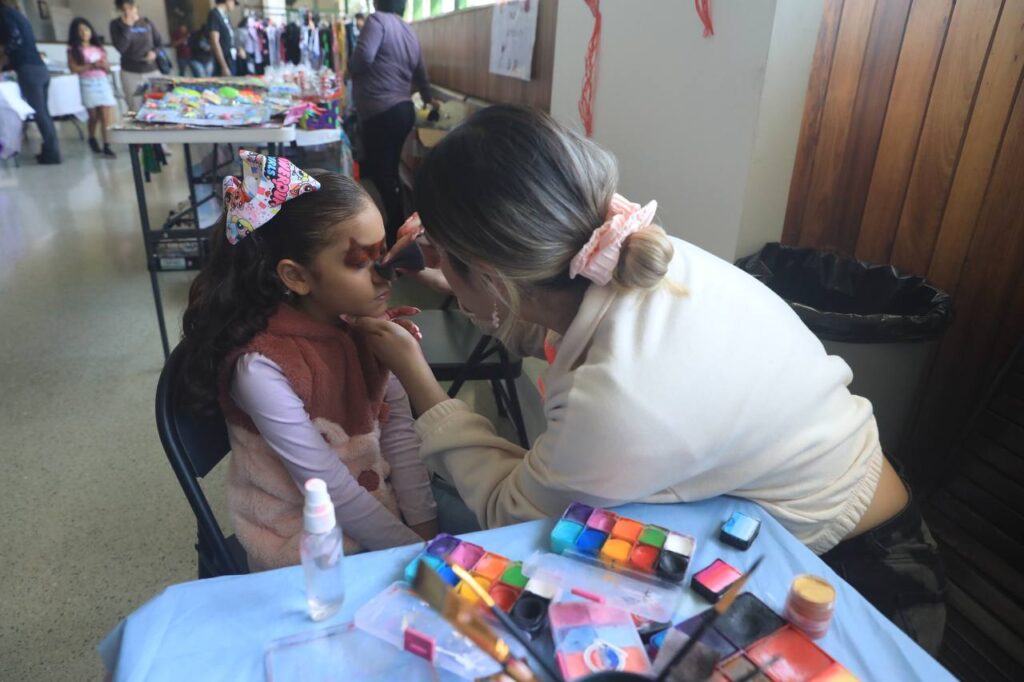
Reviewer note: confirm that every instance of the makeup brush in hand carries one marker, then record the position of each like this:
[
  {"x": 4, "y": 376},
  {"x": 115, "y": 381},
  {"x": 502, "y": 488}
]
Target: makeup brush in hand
[
  {"x": 468, "y": 620},
  {"x": 504, "y": 619},
  {"x": 721, "y": 607}
]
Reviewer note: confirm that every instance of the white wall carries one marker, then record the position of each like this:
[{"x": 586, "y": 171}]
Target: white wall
[
  {"x": 682, "y": 112},
  {"x": 778, "y": 127}
]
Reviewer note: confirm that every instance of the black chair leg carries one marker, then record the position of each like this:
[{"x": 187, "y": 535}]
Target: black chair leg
[
  {"x": 516, "y": 413},
  {"x": 499, "y": 398}
]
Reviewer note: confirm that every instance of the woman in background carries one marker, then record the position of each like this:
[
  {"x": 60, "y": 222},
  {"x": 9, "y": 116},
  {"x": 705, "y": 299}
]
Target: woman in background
[
  {"x": 137, "y": 39},
  {"x": 385, "y": 65}
]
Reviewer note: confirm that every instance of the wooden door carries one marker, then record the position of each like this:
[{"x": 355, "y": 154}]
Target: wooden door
[{"x": 912, "y": 153}]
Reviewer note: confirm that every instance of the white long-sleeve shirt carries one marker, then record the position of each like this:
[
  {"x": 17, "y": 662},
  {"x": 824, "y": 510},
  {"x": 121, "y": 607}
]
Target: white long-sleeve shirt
[
  {"x": 262, "y": 391},
  {"x": 667, "y": 397}
]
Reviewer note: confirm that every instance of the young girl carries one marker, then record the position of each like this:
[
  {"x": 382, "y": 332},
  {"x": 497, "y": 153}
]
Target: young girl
[
  {"x": 87, "y": 58},
  {"x": 302, "y": 394}
]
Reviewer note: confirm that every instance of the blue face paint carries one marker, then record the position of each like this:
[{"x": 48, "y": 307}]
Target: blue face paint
[{"x": 740, "y": 530}]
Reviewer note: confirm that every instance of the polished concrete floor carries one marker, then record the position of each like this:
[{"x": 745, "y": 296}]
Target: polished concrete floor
[{"x": 94, "y": 522}]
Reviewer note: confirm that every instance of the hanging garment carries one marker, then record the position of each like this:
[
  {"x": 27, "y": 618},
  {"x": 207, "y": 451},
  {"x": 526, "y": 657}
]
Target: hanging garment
[{"x": 293, "y": 43}]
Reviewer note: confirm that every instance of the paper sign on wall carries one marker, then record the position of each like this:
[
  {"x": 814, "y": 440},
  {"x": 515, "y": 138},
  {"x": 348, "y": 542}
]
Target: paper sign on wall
[{"x": 513, "y": 33}]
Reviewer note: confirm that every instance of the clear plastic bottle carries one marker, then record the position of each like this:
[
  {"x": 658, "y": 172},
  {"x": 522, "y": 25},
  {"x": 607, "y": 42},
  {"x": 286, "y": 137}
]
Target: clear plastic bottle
[{"x": 322, "y": 553}]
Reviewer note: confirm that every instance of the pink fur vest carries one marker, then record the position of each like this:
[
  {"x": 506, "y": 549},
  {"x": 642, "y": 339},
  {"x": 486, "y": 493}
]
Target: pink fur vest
[{"x": 342, "y": 387}]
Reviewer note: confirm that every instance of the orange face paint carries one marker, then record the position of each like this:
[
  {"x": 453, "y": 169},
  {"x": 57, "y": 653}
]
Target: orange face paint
[{"x": 359, "y": 255}]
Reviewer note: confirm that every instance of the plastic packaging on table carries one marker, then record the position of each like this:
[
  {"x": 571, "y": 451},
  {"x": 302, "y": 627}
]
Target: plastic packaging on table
[
  {"x": 341, "y": 652},
  {"x": 643, "y": 595},
  {"x": 402, "y": 619},
  {"x": 592, "y": 638}
]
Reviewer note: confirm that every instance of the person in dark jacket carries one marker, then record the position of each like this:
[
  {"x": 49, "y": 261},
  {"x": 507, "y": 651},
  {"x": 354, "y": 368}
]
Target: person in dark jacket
[
  {"x": 19, "y": 45},
  {"x": 227, "y": 49},
  {"x": 137, "y": 39},
  {"x": 385, "y": 65}
]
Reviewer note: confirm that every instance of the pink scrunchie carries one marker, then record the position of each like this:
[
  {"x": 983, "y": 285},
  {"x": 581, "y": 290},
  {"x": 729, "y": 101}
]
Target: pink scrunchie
[{"x": 600, "y": 255}]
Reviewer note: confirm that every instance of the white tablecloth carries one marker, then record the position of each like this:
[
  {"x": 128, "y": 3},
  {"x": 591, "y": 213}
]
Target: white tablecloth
[{"x": 65, "y": 98}]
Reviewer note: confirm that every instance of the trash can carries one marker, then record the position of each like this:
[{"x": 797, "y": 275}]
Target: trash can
[{"x": 885, "y": 324}]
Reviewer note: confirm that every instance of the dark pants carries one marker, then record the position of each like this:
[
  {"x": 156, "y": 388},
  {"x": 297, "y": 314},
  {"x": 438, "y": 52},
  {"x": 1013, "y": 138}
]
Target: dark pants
[
  {"x": 383, "y": 138},
  {"x": 896, "y": 567},
  {"x": 34, "y": 81},
  {"x": 218, "y": 72}
]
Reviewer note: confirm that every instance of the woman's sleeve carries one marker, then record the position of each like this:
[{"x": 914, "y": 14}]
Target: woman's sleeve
[
  {"x": 262, "y": 391},
  {"x": 158, "y": 40},
  {"x": 420, "y": 80},
  {"x": 401, "y": 447},
  {"x": 370, "y": 39},
  {"x": 118, "y": 35},
  {"x": 503, "y": 483}
]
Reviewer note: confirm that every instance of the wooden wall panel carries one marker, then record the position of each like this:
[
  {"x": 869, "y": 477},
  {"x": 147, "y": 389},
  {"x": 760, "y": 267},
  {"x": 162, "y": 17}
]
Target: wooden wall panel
[
  {"x": 457, "y": 50},
  {"x": 854, "y": 29},
  {"x": 906, "y": 109},
  {"x": 924, "y": 170},
  {"x": 995, "y": 97},
  {"x": 949, "y": 109},
  {"x": 814, "y": 105}
]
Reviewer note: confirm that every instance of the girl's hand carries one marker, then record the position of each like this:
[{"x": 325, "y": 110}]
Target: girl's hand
[{"x": 395, "y": 315}]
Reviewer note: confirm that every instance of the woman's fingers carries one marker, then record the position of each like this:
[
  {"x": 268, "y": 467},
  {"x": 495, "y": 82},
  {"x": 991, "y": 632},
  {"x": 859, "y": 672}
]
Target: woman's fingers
[
  {"x": 410, "y": 327},
  {"x": 402, "y": 311}
]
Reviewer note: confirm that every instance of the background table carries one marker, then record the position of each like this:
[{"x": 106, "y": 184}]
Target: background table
[
  {"x": 219, "y": 628},
  {"x": 135, "y": 135}
]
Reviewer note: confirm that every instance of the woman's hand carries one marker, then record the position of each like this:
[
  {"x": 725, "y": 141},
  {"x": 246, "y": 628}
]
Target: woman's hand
[
  {"x": 426, "y": 530},
  {"x": 395, "y": 345},
  {"x": 394, "y": 341}
]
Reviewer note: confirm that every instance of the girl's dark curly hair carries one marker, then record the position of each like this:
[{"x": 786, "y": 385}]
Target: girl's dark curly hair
[
  {"x": 75, "y": 41},
  {"x": 238, "y": 289}
]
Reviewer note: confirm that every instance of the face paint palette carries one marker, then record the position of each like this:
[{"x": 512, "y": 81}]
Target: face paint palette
[
  {"x": 713, "y": 581},
  {"x": 591, "y": 638},
  {"x": 740, "y": 531},
  {"x": 751, "y": 635},
  {"x": 621, "y": 543},
  {"x": 501, "y": 577},
  {"x": 644, "y": 595}
]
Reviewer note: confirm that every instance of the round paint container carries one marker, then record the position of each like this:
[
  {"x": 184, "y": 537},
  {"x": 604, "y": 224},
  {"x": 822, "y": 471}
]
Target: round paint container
[{"x": 810, "y": 605}]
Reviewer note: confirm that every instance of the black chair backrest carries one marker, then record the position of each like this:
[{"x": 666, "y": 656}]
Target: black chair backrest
[
  {"x": 194, "y": 445},
  {"x": 202, "y": 440}
]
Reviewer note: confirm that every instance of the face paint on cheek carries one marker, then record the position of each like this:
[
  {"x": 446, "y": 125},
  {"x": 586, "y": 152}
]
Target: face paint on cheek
[{"x": 359, "y": 255}]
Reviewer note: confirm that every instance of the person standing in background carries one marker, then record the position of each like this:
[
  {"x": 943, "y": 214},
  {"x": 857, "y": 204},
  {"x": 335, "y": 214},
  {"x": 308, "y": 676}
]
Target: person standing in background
[
  {"x": 182, "y": 48},
  {"x": 137, "y": 39},
  {"x": 87, "y": 58},
  {"x": 202, "y": 53},
  {"x": 21, "y": 53},
  {"x": 385, "y": 65},
  {"x": 222, "y": 39}
]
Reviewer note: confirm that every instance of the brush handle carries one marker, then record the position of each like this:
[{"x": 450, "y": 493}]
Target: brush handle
[
  {"x": 514, "y": 630},
  {"x": 690, "y": 643}
]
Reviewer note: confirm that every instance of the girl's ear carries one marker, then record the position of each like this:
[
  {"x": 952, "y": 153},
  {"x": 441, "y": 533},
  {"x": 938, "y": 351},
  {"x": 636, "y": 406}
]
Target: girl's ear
[{"x": 298, "y": 279}]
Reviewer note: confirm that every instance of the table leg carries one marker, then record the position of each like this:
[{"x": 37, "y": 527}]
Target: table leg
[
  {"x": 134, "y": 151},
  {"x": 191, "y": 184}
]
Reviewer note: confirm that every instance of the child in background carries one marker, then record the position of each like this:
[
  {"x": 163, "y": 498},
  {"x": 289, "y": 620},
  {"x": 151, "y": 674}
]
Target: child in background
[
  {"x": 87, "y": 58},
  {"x": 302, "y": 394}
]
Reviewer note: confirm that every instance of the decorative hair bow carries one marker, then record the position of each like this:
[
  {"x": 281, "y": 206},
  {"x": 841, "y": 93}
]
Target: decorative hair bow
[
  {"x": 600, "y": 255},
  {"x": 267, "y": 182}
]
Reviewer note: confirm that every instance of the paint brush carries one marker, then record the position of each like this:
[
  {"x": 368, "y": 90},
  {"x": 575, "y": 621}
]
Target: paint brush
[
  {"x": 504, "y": 619},
  {"x": 717, "y": 610},
  {"x": 465, "y": 618}
]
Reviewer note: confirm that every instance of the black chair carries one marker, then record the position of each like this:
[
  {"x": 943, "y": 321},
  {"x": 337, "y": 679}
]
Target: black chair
[
  {"x": 194, "y": 446},
  {"x": 459, "y": 352}
]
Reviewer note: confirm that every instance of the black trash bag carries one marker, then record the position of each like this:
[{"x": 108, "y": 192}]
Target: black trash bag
[{"x": 842, "y": 299}]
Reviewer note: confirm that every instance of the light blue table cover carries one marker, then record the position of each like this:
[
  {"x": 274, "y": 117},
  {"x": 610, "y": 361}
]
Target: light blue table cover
[{"x": 219, "y": 629}]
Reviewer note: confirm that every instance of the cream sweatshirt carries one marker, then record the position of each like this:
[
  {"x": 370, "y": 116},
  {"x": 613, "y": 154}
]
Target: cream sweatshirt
[{"x": 670, "y": 397}]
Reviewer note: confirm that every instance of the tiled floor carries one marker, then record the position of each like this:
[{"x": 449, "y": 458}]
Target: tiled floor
[{"x": 94, "y": 522}]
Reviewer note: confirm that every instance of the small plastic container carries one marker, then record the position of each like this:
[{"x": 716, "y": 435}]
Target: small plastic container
[{"x": 810, "y": 605}]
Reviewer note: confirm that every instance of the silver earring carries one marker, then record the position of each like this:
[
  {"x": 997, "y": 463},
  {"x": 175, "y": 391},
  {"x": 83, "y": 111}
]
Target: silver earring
[{"x": 495, "y": 320}]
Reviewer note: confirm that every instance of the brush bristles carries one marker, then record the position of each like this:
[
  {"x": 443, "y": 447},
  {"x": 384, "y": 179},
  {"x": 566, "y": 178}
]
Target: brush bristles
[{"x": 734, "y": 590}]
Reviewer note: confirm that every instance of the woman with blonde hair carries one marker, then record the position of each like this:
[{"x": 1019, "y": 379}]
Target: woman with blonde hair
[{"x": 673, "y": 375}]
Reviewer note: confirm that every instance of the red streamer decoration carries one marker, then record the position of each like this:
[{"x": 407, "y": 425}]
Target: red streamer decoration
[
  {"x": 589, "y": 72},
  {"x": 704, "y": 12}
]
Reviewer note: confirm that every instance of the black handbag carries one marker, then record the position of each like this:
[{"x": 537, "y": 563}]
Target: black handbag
[{"x": 163, "y": 62}]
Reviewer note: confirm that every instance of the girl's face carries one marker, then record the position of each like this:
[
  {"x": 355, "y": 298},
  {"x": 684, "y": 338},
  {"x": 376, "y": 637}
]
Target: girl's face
[
  {"x": 342, "y": 279},
  {"x": 84, "y": 34}
]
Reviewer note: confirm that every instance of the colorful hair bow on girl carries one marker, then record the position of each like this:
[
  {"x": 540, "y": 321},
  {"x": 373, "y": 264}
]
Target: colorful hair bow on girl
[
  {"x": 267, "y": 182},
  {"x": 600, "y": 255}
]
